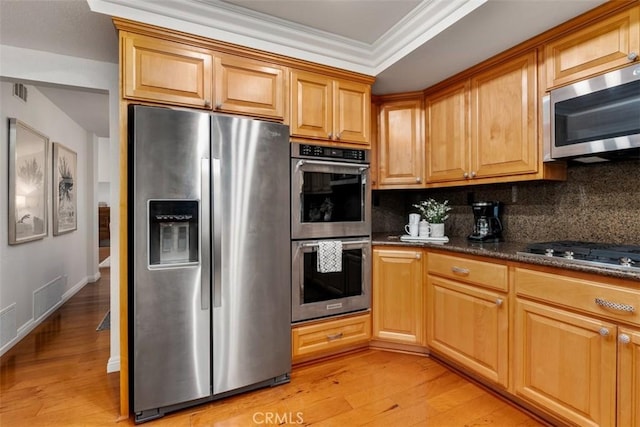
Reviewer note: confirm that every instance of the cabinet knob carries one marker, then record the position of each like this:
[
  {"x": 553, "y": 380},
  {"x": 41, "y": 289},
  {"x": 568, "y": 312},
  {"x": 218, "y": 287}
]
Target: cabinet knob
[
  {"x": 624, "y": 339},
  {"x": 330, "y": 136},
  {"x": 604, "y": 332},
  {"x": 418, "y": 180},
  {"x": 338, "y": 136},
  {"x": 499, "y": 302},
  {"x": 632, "y": 56},
  {"x": 473, "y": 174},
  {"x": 207, "y": 103},
  {"x": 418, "y": 255},
  {"x": 465, "y": 175}
]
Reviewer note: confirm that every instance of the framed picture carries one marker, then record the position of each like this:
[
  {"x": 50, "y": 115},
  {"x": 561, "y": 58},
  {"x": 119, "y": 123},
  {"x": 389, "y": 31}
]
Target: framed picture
[
  {"x": 28, "y": 183},
  {"x": 65, "y": 182}
]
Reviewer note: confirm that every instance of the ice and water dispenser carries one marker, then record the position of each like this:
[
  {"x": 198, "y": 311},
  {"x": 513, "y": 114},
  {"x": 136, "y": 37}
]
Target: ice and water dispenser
[{"x": 173, "y": 233}]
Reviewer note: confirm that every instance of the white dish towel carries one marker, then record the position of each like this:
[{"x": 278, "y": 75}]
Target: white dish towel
[{"x": 329, "y": 256}]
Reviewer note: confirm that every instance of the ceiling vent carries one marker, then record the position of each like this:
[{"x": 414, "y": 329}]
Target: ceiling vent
[{"x": 20, "y": 91}]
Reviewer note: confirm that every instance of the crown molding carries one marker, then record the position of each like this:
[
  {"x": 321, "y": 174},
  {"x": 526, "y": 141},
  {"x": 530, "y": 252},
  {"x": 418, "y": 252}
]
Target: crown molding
[{"x": 227, "y": 22}]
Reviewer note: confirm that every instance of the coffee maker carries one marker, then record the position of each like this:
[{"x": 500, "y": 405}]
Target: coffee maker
[{"x": 487, "y": 226}]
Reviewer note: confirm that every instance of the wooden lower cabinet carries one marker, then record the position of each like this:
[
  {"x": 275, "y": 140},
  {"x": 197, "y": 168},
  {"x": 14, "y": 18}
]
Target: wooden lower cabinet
[
  {"x": 566, "y": 363},
  {"x": 320, "y": 338},
  {"x": 628, "y": 377},
  {"x": 398, "y": 295},
  {"x": 470, "y": 326}
]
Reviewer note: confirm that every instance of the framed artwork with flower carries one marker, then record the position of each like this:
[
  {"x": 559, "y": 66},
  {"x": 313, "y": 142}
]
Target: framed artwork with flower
[
  {"x": 65, "y": 189},
  {"x": 28, "y": 172}
]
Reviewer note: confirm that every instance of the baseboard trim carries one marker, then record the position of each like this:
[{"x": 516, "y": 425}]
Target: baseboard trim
[
  {"x": 31, "y": 324},
  {"x": 113, "y": 365}
]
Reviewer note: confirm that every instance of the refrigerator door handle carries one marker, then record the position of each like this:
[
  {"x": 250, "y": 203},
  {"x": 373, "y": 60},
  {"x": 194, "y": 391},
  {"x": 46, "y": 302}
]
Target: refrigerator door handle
[
  {"x": 205, "y": 252},
  {"x": 217, "y": 233}
]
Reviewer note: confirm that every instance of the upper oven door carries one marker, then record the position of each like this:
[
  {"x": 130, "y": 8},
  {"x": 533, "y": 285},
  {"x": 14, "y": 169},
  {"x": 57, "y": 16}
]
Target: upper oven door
[{"x": 329, "y": 199}]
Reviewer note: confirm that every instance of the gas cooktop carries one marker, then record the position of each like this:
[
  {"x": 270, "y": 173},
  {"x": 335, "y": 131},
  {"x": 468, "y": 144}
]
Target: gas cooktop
[{"x": 589, "y": 253}]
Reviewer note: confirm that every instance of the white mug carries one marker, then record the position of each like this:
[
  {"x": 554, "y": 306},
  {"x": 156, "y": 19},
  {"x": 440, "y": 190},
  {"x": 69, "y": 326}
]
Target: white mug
[
  {"x": 412, "y": 229},
  {"x": 414, "y": 218},
  {"x": 424, "y": 229}
]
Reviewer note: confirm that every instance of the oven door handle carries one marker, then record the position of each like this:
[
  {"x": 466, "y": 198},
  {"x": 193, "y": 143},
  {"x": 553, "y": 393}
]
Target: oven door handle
[
  {"x": 344, "y": 242},
  {"x": 360, "y": 167}
]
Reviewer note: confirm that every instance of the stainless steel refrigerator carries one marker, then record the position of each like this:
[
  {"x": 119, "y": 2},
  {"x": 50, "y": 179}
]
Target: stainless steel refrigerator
[{"x": 209, "y": 257}]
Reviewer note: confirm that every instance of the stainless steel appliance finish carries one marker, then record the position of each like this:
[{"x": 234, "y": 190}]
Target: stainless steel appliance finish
[
  {"x": 330, "y": 192},
  {"x": 209, "y": 287},
  {"x": 610, "y": 255},
  {"x": 598, "y": 117},
  {"x": 316, "y": 295}
]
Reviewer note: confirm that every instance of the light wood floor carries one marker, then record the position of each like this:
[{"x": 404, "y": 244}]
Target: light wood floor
[{"x": 57, "y": 376}]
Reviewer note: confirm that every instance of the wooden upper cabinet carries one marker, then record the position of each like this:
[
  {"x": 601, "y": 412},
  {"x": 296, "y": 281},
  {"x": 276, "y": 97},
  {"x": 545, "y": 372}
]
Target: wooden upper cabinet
[
  {"x": 249, "y": 87},
  {"x": 504, "y": 119},
  {"x": 331, "y": 109},
  {"x": 595, "y": 49},
  {"x": 447, "y": 133},
  {"x": 400, "y": 153},
  {"x": 311, "y": 105},
  {"x": 166, "y": 71}
]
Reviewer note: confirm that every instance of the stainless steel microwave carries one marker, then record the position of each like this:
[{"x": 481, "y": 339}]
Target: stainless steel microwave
[{"x": 594, "y": 119}]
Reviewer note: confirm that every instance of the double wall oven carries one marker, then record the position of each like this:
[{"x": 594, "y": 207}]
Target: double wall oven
[{"x": 330, "y": 202}]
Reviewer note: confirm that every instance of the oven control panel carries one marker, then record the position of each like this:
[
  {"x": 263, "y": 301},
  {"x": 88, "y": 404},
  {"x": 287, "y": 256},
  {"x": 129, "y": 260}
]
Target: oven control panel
[{"x": 307, "y": 150}]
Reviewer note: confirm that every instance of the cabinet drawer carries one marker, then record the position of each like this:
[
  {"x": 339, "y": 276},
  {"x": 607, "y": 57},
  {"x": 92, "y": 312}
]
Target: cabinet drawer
[
  {"x": 468, "y": 270},
  {"x": 591, "y": 297},
  {"x": 330, "y": 335}
]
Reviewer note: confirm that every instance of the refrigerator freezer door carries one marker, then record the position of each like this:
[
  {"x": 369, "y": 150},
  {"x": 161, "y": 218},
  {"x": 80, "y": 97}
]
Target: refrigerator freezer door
[
  {"x": 170, "y": 329},
  {"x": 251, "y": 252}
]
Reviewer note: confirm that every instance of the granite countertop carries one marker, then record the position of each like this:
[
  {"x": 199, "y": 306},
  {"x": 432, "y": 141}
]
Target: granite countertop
[{"x": 506, "y": 251}]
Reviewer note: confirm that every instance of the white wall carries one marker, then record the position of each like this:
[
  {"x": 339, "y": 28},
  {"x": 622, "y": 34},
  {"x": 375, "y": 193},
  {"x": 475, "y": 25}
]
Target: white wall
[
  {"x": 44, "y": 67},
  {"x": 28, "y": 266},
  {"x": 104, "y": 171}
]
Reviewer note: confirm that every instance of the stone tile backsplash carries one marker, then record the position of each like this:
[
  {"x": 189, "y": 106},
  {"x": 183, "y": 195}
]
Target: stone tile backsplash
[{"x": 597, "y": 202}]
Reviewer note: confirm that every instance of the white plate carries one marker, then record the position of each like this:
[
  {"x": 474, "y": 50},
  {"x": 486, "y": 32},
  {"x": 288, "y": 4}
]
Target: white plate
[{"x": 407, "y": 238}]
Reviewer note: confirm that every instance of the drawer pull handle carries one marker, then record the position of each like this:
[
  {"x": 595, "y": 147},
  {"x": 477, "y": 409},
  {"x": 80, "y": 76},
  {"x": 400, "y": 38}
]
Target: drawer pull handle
[
  {"x": 614, "y": 305},
  {"x": 460, "y": 270},
  {"x": 334, "y": 337},
  {"x": 604, "y": 332}
]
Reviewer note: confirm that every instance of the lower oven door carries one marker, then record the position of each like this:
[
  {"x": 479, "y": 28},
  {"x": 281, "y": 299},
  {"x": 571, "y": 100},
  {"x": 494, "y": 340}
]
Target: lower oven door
[{"x": 316, "y": 294}]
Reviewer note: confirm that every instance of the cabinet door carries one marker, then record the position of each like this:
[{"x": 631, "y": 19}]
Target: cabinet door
[
  {"x": 447, "y": 118},
  {"x": 249, "y": 87},
  {"x": 352, "y": 112},
  {"x": 595, "y": 49},
  {"x": 311, "y": 105},
  {"x": 400, "y": 147},
  {"x": 397, "y": 296},
  {"x": 168, "y": 72},
  {"x": 566, "y": 363},
  {"x": 504, "y": 119},
  {"x": 469, "y": 325},
  {"x": 628, "y": 377}
]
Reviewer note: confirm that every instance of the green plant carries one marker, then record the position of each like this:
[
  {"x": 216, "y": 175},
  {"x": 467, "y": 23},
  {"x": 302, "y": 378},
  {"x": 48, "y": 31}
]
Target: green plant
[{"x": 433, "y": 211}]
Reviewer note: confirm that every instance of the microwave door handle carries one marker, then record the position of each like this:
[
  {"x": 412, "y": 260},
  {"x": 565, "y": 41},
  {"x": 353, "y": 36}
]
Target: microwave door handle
[
  {"x": 205, "y": 221},
  {"x": 217, "y": 232}
]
